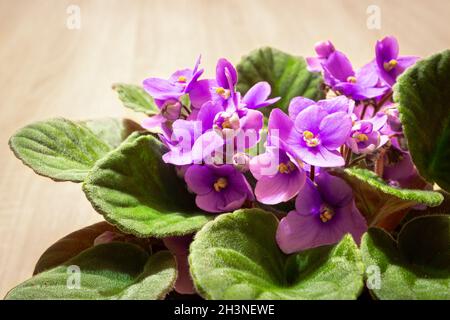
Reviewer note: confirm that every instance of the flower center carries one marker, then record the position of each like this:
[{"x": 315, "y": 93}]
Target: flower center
[
  {"x": 351, "y": 79},
  {"x": 326, "y": 214},
  {"x": 388, "y": 66},
  {"x": 286, "y": 168},
  {"x": 360, "y": 137},
  {"x": 224, "y": 93},
  {"x": 220, "y": 184},
  {"x": 310, "y": 139},
  {"x": 182, "y": 79},
  {"x": 227, "y": 121}
]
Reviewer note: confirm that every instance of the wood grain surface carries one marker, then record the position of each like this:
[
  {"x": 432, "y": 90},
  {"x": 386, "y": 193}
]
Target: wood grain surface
[{"x": 48, "y": 70}]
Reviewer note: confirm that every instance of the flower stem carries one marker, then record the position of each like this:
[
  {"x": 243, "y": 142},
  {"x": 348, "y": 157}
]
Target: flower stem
[
  {"x": 383, "y": 100},
  {"x": 312, "y": 173}
]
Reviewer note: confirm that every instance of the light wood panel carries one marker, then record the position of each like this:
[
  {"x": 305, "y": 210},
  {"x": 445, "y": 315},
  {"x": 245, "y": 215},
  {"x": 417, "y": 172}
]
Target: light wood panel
[{"x": 48, "y": 70}]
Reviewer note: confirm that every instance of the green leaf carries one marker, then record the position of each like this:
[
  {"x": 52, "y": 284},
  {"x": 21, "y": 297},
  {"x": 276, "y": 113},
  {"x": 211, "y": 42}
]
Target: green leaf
[
  {"x": 140, "y": 194},
  {"x": 71, "y": 245},
  {"x": 415, "y": 267},
  {"x": 423, "y": 94},
  {"x": 112, "y": 131},
  {"x": 377, "y": 200},
  {"x": 107, "y": 271},
  {"x": 135, "y": 98},
  {"x": 236, "y": 257},
  {"x": 59, "y": 149},
  {"x": 286, "y": 74}
]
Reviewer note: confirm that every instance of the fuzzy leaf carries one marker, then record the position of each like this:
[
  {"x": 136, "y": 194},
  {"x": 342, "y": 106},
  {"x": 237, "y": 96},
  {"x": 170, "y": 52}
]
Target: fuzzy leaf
[
  {"x": 135, "y": 98},
  {"x": 107, "y": 271},
  {"x": 112, "y": 131},
  {"x": 286, "y": 74},
  {"x": 236, "y": 257},
  {"x": 58, "y": 148},
  {"x": 377, "y": 200},
  {"x": 423, "y": 94},
  {"x": 415, "y": 267},
  {"x": 140, "y": 194}
]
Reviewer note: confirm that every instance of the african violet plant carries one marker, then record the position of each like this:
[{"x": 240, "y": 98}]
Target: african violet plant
[{"x": 283, "y": 178}]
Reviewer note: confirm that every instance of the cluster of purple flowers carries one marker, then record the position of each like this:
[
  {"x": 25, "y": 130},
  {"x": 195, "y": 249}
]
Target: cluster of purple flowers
[{"x": 209, "y": 129}]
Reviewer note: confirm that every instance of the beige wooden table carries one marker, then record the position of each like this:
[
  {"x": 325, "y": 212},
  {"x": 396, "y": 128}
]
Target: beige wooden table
[{"x": 48, "y": 70}]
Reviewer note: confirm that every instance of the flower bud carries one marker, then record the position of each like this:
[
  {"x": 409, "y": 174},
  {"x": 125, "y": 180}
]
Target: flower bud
[
  {"x": 324, "y": 49},
  {"x": 241, "y": 161}
]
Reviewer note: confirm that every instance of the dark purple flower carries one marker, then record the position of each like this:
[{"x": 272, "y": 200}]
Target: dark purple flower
[
  {"x": 324, "y": 213},
  {"x": 366, "y": 135},
  {"x": 218, "y": 188},
  {"x": 390, "y": 64},
  {"x": 399, "y": 169},
  {"x": 360, "y": 85},
  {"x": 179, "y": 247},
  {"x": 280, "y": 177},
  {"x": 314, "y": 135},
  {"x": 323, "y": 49}
]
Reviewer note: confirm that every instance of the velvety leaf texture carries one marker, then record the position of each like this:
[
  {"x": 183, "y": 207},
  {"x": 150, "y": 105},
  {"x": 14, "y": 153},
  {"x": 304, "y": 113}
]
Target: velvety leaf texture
[
  {"x": 112, "y": 131},
  {"x": 107, "y": 271},
  {"x": 135, "y": 98},
  {"x": 415, "y": 267},
  {"x": 377, "y": 199},
  {"x": 286, "y": 74},
  {"x": 140, "y": 194},
  {"x": 423, "y": 94},
  {"x": 236, "y": 257},
  {"x": 59, "y": 149},
  {"x": 71, "y": 245}
]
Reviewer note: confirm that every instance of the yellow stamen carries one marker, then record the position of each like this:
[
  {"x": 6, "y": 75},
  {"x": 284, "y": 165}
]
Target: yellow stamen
[
  {"x": 286, "y": 167},
  {"x": 182, "y": 79},
  {"x": 326, "y": 214},
  {"x": 388, "y": 66},
  {"x": 310, "y": 139},
  {"x": 361, "y": 137},
  {"x": 308, "y": 134},
  {"x": 351, "y": 79},
  {"x": 220, "y": 184},
  {"x": 231, "y": 122},
  {"x": 224, "y": 93}
]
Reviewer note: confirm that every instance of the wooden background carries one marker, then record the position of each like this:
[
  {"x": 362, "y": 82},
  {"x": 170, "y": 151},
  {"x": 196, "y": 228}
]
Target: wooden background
[{"x": 48, "y": 70}]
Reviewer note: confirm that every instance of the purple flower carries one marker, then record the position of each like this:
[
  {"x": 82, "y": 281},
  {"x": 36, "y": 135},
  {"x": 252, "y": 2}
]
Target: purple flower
[
  {"x": 324, "y": 213},
  {"x": 399, "y": 170},
  {"x": 338, "y": 104},
  {"x": 390, "y": 65},
  {"x": 167, "y": 93},
  {"x": 219, "y": 90},
  {"x": 189, "y": 143},
  {"x": 170, "y": 110},
  {"x": 280, "y": 177},
  {"x": 179, "y": 247},
  {"x": 257, "y": 96},
  {"x": 218, "y": 188},
  {"x": 323, "y": 49},
  {"x": 313, "y": 135},
  {"x": 178, "y": 84},
  {"x": 222, "y": 90},
  {"x": 366, "y": 135},
  {"x": 360, "y": 85}
]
